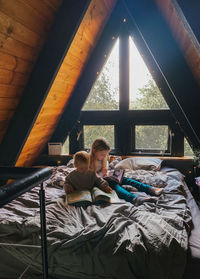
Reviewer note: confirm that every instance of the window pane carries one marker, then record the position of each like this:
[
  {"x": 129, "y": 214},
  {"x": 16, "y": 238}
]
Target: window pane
[
  {"x": 65, "y": 148},
  {"x": 144, "y": 93},
  {"x": 104, "y": 94},
  {"x": 151, "y": 137},
  {"x": 187, "y": 149},
  {"x": 92, "y": 132}
]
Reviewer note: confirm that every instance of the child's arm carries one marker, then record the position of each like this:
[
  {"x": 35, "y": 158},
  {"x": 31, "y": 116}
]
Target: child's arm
[
  {"x": 102, "y": 184},
  {"x": 104, "y": 172},
  {"x": 107, "y": 189},
  {"x": 104, "y": 169},
  {"x": 67, "y": 186}
]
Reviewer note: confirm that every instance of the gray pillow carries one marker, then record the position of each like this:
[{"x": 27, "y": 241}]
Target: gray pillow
[{"x": 136, "y": 163}]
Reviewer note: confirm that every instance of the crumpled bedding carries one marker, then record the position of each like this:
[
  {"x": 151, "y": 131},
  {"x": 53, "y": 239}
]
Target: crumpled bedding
[
  {"x": 153, "y": 178},
  {"x": 105, "y": 241}
]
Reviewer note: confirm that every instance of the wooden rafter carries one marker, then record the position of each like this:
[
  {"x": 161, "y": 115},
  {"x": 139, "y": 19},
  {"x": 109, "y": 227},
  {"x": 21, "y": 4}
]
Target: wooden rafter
[
  {"x": 191, "y": 12},
  {"x": 94, "y": 66}
]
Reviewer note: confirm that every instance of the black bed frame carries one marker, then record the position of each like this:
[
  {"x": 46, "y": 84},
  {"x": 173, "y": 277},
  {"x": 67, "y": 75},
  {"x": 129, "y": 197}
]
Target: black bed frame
[{"x": 27, "y": 179}]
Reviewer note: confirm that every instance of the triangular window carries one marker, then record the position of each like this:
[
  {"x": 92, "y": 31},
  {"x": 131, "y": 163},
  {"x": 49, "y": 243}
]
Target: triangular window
[
  {"x": 144, "y": 93},
  {"x": 187, "y": 149},
  {"x": 104, "y": 94}
]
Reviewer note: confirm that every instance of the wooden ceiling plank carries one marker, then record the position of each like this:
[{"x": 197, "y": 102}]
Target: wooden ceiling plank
[
  {"x": 48, "y": 117},
  {"x": 191, "y": 12},
  {"x": 25, "y": 15},
  {"x": 41, "y": 7},
  {"x": 66, "y": 24},
  {"x": 183, "y": 30},
  {"x": 11, "y": 28},
  {"x": 109, "y": 4},
  {"x": 12, "y": 78},
  {"x": 16, "y": 48},
  {"x": 13, "y": 63},
  {"x": 4, "y": 114},
  {"x": 181, "y": 83},
  {"x": 5, "y": 76},
  {"x": 53, "y": 4},
  {"x": 8, "y": 103}
]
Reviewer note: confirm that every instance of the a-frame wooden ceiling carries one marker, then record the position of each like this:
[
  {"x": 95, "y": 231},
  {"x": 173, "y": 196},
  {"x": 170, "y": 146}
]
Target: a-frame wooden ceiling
[
  {"x": 47, "y": 48},
  {"x": 75, "y": 32}
]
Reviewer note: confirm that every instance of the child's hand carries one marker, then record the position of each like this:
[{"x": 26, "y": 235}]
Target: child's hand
[
  {"x": 69, "y": 189},
  {"x": 108, "y": 189},
  {"x": 104, "y": 172}
]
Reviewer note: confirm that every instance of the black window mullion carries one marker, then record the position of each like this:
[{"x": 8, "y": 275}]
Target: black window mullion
[
  {"x": 123, "y": 138},
  {"x": 124, "y": 71},
  {"x": 76, "y": 138},
  {"x": 177, "y": 140},
  {"x": 123, "y": 128}
]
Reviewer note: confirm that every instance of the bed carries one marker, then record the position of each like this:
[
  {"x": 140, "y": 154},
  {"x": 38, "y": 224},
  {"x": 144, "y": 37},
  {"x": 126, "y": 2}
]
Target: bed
[{"x": 154, "y": 240}]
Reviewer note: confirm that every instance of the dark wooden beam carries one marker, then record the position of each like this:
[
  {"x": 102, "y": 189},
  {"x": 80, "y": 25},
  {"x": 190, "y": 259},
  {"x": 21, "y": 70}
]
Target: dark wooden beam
[
  {"x": 179, "y": 79},
  {"x": 94, "y": 66},
  {"x": 191, "y": 11},
  {"x": 134, "y": 117},
  {"x": 124, "y": 69},
  {"x": 175, "y": 111},
  {"x": 61, "y": 35}
]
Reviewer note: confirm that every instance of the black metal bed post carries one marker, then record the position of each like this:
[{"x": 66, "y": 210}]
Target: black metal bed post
[{"x": 43, "y": 232}]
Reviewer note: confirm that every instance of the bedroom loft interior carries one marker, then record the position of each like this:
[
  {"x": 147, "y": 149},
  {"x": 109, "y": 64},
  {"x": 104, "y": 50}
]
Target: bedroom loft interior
[
  {"x": 65, "y": 79},
  {"x": 54, "y": 55}
]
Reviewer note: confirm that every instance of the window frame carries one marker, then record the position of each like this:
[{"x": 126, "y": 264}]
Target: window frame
[
  {"x": 87, "y": 148},
  {"x": 124, "y": 120},
  {"x": 152, "y": 151}
]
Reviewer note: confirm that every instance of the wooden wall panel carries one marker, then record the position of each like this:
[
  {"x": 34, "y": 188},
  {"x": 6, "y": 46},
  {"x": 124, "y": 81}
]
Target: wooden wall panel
[
  {"x": 182, "y": 36},
  {"x": 24, "y": 27},
  {"x": 22, "y": 12},
  {"x": 76, "y": 58},
  {"x": 8, "y": 90},
  {"x": 18, "y": 31},
  {"x": 13, "y": 63},
  {"x": 42, "y": 9},
  {"x": 53, "y": 4}
]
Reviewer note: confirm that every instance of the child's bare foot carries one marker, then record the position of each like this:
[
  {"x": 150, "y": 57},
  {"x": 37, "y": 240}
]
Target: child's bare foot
[{"x": 154, "y": 191}]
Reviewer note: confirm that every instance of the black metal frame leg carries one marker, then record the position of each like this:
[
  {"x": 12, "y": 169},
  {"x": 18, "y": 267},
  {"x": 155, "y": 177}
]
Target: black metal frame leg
[{"x": 43, "y": 232}]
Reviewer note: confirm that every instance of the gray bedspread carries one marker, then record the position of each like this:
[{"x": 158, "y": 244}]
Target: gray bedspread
[{"x": 107, "y": 241}]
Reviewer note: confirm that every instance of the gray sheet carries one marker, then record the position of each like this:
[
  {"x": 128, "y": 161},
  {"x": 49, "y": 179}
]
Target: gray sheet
[{"x": 113, "y": 241}]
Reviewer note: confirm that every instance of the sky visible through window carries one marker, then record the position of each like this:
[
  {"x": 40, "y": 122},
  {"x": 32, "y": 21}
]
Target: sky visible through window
[
  {"x": 143, "y": 91},
  {"x": 139, "y": 73},
  {"x": 104, "y": 94}
]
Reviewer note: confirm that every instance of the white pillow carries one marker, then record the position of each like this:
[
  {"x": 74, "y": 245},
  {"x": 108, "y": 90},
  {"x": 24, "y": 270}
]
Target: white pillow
[{"x": 136, "y": 163}]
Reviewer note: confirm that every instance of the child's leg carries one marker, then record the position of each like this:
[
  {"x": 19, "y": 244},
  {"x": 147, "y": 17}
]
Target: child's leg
[
  {"x": 141, "y": 186},
  {"x": 138, "y": 185},
  {"x": 127, "y": 196},
  {"x": 121, "y": 192}
]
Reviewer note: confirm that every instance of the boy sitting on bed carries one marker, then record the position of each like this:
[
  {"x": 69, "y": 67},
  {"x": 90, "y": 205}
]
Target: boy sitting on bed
[{"x": 82, "y": 178}]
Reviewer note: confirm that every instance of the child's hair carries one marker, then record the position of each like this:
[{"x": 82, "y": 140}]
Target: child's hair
[
  {"x": 100, "y": 144},
  {"x": 81, "y": 157}
]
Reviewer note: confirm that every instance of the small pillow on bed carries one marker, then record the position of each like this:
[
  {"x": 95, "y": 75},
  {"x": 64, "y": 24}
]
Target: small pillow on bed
[{"x": 136, "y": 163}]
